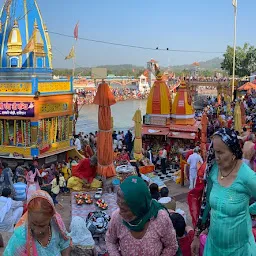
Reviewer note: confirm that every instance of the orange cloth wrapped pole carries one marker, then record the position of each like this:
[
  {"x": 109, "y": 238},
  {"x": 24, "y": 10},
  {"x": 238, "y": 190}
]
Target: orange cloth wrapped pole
[
  {"x": 104, "y": 98},
  {"x": 138, "y": 140}
]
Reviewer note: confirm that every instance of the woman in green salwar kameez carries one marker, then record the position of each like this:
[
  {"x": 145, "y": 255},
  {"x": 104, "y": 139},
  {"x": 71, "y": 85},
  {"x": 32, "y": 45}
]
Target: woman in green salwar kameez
[{"x": 230, "y": 185}]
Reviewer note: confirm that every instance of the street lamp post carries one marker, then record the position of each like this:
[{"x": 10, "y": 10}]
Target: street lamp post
[{"x": 234, "y": 2}]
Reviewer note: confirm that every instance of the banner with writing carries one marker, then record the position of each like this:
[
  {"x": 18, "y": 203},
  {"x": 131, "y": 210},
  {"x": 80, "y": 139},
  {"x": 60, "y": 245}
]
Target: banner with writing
[{"x": 21, "y": 109}]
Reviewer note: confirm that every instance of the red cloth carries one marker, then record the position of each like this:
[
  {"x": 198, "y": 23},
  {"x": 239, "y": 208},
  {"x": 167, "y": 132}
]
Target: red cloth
[
  {"x": 185, "y": 243},
  {"x": 168, "y": 148},
  {"x": 84, "y": 171},
  {"x": 195, "y": 195},
  {"x": 124, "y": 157},
  {"x": 88, "y": 153},
  {"x": 230, "y": 123},
  {"x": 254, "y": 233}
]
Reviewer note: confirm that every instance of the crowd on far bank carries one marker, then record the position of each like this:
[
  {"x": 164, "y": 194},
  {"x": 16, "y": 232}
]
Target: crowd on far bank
[{"x": 121, "y": 94}]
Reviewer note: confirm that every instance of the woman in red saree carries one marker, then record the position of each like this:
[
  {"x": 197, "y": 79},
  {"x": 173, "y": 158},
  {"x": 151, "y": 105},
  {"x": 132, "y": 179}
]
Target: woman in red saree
[{"x": 88, "y": 153}]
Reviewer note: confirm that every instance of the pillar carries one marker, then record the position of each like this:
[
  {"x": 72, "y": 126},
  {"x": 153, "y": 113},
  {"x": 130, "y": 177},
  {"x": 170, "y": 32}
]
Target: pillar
[{"x": 70, "y": 127}]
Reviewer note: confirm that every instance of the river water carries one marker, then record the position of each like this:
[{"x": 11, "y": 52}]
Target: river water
[{"x": 122, "y": 113}]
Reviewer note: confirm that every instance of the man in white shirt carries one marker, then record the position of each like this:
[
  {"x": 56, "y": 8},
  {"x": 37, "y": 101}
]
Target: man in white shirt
[
  {"x": 77, "y": 143},
  {"x": 193, "y": 161}
]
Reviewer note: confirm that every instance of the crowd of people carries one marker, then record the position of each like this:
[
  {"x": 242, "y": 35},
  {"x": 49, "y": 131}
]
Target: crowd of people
[
  {"x": 121, "y": 94},
  {"x": 147, "y": 221}
]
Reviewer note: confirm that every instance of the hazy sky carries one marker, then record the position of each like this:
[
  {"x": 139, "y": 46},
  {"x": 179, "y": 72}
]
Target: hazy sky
[{"x": 205, "y": 25}]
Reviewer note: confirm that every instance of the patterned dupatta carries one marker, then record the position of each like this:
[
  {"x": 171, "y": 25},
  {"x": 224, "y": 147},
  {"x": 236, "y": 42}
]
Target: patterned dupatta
[{"x": 30, "y": 243}]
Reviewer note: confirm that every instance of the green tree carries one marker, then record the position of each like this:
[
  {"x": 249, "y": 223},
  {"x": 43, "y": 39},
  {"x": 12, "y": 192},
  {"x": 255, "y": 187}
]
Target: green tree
[{"x": 245, "y": 61}]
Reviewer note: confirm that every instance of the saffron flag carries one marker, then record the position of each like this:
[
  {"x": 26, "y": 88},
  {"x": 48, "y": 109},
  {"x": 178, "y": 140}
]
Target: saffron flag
[
  {"x": 76, "y": 31},
  {"x": 30, "y": 47},
  {"x": 234, "y": 2},
  {"x": 71, "y": 54}
]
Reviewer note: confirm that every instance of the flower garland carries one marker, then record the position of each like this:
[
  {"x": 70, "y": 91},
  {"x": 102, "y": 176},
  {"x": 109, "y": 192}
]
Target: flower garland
[
  {"x": 43, "y": 130},
  {"x": 63, "y": 134},
  {"x": 1, "y": 133},
  {"x": 25, "y": 133},
  {"x": 55, "y": 128},
  {"x": 17, "y": 134},
  {"x": 47, "y": 131},
  {"x": 14, "y": 132},
  {"x": 29, "y": 133},
  {"x": 22, "y": 133},
  {"x": 67, "y": 127},
  {"x": 39, "y": 134}
]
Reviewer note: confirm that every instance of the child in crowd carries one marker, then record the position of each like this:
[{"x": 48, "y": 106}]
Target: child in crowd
[
  {"x": 62, "y": 183},
  {"x": 20, "y": 189},
  {"x": 55, "y": 190},
  {"x": 185, "y": 234},
  {"x": 154, "y": 191},
  {"x": 66, "y": 171},
  {"x": 167, "y": 201}
]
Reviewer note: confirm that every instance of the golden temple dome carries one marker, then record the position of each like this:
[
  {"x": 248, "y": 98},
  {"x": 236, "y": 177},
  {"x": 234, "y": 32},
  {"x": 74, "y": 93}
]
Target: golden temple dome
[
  {"x": 14, "y": 43},
  {"x": 39, "y": 43},
  {"x": 159, "y": 100},
  {"x": 182, "y": 108},
  {"x": 48, "y": 42}
]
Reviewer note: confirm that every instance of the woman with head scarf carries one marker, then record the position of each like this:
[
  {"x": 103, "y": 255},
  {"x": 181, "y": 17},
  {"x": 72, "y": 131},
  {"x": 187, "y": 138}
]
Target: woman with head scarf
[
  {"x": 225, "y": 208},
  {"x": 141, "y": 226},
  {"x": 40, "y": 231},
  {"x": 82, "y": 241}
]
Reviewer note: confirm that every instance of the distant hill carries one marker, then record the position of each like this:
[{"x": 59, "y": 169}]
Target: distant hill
[
  {"x": 133, "y": 70},
  {"x": 212, "y": 64}
]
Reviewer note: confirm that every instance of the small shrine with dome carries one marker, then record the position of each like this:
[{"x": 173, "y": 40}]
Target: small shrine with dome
[
  {"x": 175, "y": 118},
  {"x": 36, "y": 111}
]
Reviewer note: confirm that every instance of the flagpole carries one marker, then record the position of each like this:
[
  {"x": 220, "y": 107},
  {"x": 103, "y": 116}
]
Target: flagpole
[
  {"x": 74, "y": 60},
  {"x": 76, "y": 38},
  {"x": 234, "y": 49}
]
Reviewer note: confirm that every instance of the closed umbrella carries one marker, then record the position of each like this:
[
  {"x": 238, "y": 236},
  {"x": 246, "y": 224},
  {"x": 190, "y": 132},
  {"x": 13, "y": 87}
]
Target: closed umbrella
[
  {"x": 229, "y": 113},
  {"x": 137, "y": 141},
  {"x": 237, "y": 117},
  {"x": 243, "y": 114},
  {"x": 204, "y": 123},
  {"x": 104, "y": 98}
]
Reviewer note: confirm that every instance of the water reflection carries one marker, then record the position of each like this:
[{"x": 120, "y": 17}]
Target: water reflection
[{"x": 122, "y": 112}]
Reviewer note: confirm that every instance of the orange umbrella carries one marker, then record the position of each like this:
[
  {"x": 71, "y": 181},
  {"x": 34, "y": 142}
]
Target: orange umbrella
[
  {"x": 104, "y": 98},
  {"x": 204, "y": 123},
  {"x": 247, "y": 86}
]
